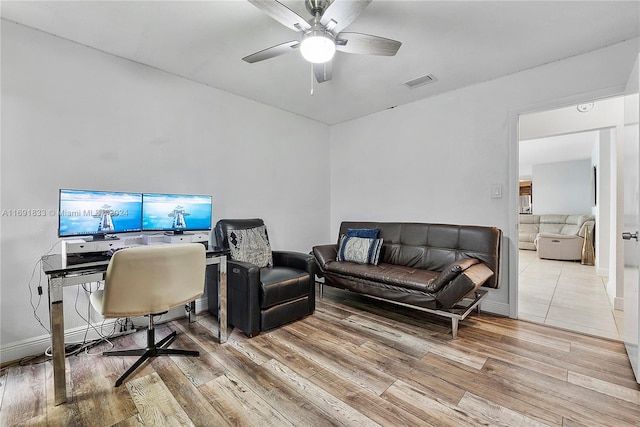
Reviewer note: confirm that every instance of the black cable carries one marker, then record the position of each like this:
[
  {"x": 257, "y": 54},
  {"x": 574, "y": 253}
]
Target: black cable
[
  {"x": 33, "y": 272},
  {"x": 35, "y": 307}
]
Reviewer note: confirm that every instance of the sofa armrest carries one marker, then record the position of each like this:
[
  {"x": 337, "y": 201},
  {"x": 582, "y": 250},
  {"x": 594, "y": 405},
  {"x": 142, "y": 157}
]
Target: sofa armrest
[
  {"x": 243, "y": 294},
  {"x": 450, "y": 272},
  {"x": 247, "y": 269},
  {"x": 324, "y": 254},
  {"x": 465, "y": 283},
  {"x": 583, "y": 229},
  {"x": 296, "y": 260},
  {"x": 299, "y": 261}
]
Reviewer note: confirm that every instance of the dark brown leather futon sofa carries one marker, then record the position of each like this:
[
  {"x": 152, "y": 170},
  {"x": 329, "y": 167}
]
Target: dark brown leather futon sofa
[{"x": 438, "y": 268}]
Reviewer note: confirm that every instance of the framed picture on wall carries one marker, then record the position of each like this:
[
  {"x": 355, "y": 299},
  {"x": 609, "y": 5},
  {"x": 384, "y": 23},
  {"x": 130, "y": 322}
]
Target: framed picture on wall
[{"x": 594, "y": 185}]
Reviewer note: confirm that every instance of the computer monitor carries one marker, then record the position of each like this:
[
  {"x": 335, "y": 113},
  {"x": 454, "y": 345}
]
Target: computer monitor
[
  {"x": 176, "y": 213},
  {"x": 98, "y": 213}
]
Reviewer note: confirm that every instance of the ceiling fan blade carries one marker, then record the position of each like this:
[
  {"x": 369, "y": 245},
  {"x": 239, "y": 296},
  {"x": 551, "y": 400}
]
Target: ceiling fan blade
[
  {"x": 272, "y": 52},
  {"x": 341, "y": 13},
  {"x": 323, "y": 71},
  {"x": 366, "y": 44},
  {"x": 282, "y": 14}
]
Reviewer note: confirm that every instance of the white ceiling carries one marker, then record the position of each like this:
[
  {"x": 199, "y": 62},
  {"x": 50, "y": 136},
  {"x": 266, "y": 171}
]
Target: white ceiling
[
  {"x": 459, "y": 42},
  {"x": 561, "y": 148},
  {"x": 564, "y": 134}
]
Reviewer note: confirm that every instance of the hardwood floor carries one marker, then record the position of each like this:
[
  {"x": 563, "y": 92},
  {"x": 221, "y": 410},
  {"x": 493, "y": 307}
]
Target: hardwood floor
[{"x": 356, "y": 361}]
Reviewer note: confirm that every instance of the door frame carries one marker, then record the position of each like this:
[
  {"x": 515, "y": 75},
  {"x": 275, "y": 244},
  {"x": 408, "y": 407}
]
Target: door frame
[{"x": 514, "y": 176}]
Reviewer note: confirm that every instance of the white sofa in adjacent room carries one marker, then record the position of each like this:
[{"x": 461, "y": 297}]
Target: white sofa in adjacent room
[{"x": 555, "y": 236}]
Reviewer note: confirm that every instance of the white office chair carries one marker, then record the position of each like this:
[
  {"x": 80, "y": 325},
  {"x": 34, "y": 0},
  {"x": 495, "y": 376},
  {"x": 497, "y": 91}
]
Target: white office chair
[{"x": 147, "y": 281}]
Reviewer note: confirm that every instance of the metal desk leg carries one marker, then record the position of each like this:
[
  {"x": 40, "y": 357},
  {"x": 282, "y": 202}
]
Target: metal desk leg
[
  {"x": 57, "y": 340},
  {"x": 222, "y": 300},
  {"x": 191, "y": 312}
]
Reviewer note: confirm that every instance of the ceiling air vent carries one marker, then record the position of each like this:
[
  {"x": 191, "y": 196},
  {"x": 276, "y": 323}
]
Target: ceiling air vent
[{"x": 419, "y": 81}]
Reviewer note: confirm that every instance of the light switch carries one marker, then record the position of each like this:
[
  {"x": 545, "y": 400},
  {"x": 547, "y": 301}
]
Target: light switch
[{"x": 496, "y": 191}]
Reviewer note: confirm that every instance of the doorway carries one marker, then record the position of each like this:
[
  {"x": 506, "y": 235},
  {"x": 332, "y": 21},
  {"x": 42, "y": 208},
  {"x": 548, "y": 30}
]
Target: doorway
[{"x": 566, "y": 166}]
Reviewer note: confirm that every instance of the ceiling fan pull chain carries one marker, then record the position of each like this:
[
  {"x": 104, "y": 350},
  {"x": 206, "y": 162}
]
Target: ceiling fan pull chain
[{"x": 311, "y": 92}]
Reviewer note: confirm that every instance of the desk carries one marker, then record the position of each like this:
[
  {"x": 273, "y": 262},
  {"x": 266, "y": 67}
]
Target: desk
[{"x": 60, "y": 275}]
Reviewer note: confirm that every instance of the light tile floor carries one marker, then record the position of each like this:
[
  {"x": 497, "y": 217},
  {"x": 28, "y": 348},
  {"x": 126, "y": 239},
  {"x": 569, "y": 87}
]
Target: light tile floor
[{"x": 566, "y": 295}]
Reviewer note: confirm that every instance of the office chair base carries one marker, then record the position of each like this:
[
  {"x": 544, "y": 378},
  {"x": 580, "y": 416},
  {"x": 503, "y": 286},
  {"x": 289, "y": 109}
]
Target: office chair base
[{"x": 154, "y": 349}]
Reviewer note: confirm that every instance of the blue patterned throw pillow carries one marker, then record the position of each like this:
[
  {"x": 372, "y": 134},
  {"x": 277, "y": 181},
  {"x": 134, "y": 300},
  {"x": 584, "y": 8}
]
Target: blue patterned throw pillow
[
  {"x": 367, "y": 233},
  {"x": 251, "y": 245},
  {"x": 359, "y": 250}
]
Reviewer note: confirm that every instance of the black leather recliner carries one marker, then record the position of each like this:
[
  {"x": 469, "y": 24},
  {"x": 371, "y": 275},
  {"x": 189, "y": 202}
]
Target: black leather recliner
[{"x": 262, "y": 298}]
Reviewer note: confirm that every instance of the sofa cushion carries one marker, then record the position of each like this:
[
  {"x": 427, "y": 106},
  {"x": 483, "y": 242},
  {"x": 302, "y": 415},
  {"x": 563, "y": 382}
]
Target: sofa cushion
[
  {"x": 450, "y": 272},
  {"x": 281, "y": 284},
  {"x": 527, "y": 236},
  {"x": 528, "y": 228},
  {"x": 359, "y": 250},
  {"x": 529, "y": 219},
  {"x": 398, "y": 275},
  {"x": 251, "y": 245},
  {"x": 568, "y": 225}
]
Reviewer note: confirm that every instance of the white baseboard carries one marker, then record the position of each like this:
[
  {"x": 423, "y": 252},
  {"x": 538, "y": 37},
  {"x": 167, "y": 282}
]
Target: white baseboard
[{"x": 38, "y": 345}]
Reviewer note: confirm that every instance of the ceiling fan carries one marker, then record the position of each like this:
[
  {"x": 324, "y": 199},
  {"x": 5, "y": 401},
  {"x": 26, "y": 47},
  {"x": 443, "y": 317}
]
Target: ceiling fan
[{"x": 321, "y": 35}]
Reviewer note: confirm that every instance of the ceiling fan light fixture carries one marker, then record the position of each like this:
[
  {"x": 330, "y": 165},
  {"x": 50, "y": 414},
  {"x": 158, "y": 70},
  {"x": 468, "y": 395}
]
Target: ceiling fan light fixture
[{"x": 318, "y": 46}]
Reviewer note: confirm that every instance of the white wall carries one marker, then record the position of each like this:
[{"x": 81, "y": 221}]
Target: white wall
[
  {"x": 73, "y": 117},
  {"x": 436, "y": 160},
  {"x": 601, "y": 159},
  {"x": 562, "y": 188}
]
